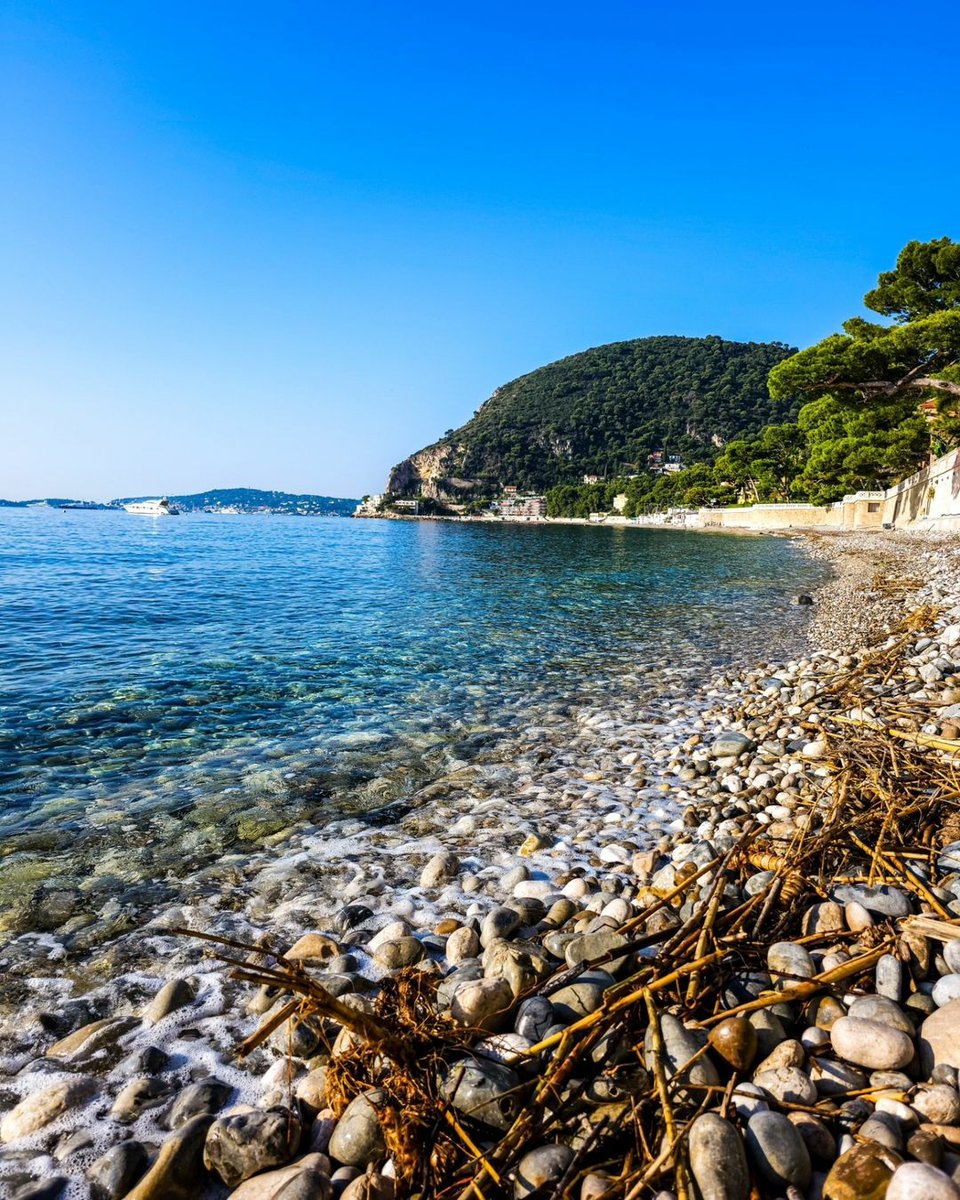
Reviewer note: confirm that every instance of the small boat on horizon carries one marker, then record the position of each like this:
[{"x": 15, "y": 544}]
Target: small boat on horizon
[{"x": 153, "y": 508}]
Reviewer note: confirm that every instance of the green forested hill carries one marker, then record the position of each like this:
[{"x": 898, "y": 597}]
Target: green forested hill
[{"x": 601, "y": 412}]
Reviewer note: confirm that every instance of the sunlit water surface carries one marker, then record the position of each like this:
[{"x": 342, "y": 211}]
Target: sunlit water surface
[{"x": 176, "y": 689}]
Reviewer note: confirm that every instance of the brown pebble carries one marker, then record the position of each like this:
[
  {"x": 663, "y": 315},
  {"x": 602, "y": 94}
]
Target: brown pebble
[
  {"x": 926, "y": 1147},
  {"x": 863, "y": 1173},
  {"x": 446, "y": 926},
  {"x": 735, "y": 1040}
]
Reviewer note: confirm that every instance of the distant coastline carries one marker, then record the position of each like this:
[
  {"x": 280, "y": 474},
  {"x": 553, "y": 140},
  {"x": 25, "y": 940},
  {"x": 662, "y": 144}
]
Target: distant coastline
[{"x": 229, "y": 501}]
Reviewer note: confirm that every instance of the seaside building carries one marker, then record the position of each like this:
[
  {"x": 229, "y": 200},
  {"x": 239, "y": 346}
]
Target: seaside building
[
  {"x": 368, "y": 506},
  {"x": 664, "y": 464},
  {"x": 527, "y": 507}
]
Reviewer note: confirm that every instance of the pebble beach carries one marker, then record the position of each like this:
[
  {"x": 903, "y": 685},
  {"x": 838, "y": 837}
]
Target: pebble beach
[{"x": 516, "y": 923}]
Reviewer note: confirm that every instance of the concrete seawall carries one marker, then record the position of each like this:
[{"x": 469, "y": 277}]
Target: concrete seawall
[{"x": 930, "y": 499}]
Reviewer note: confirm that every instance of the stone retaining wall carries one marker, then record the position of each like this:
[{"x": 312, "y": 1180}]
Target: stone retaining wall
[{"x": 930, "y": 499}]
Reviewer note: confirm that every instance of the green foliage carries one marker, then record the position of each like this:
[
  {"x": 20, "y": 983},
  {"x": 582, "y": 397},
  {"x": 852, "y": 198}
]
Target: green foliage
[
  {"x": 926, "y": 280},
  {"x": 878, "y": 398},
  {"x": 917, "y": 356},
  {"x": 850, "y": 447},
  {"x": 604, "y": 410}
]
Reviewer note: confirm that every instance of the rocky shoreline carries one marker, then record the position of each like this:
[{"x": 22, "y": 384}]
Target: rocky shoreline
[{"x": 543, "y": 904}]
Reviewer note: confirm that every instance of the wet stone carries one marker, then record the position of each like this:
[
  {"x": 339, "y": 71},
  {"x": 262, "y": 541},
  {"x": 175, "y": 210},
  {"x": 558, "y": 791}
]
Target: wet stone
[
  {"x": 174, "y": 994},
  {"x": 40, "y": 1108},
  {"x": 139, "y": 1095},
  {"x": 534, "y": 1018},
  {"x": 88, "y": 1039},
  {"x": 442, "y": 868},
  {"x": 314, "y": 949},
  {"x": 78, "y": 1142},
  {"x": 306, "y": 1179},
  {"x": 500, "y": 922},
  {"x": 243, "y": 1144},
  {"x": 358, "y": 1138},
  {"x": 581, "y": 998},
  {"x": 482, "y": 1003},
  {"x": 351, "y": 916},
  {"x": 478, "y": 1089},
  {"x": 399, "y": 952},
  {"x": 178, "y": 1166},
  {"x": 298, "y": 1038},
  {"x": 148, "y": 1060},
  {"x": 202, "y": 1099},
  {"x": 115, "y": 1173},
  {"x": 51, "y": 1188}
]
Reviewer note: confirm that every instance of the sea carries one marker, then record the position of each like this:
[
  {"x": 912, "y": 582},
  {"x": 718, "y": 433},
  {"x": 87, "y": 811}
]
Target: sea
[{"x": 175, "y": 691}]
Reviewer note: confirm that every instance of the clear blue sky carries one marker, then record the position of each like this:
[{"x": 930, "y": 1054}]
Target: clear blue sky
[{"x": 283, "y": 245}]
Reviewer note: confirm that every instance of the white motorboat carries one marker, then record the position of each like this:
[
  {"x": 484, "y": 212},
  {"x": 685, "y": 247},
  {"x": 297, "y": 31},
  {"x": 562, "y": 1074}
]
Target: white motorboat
[{"x": 153, "y": 508}]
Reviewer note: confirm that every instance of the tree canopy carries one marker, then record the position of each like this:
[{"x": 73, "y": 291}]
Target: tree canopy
[
  {"x": 879, "y": 397},
  {"x": 917, "y": 355}
]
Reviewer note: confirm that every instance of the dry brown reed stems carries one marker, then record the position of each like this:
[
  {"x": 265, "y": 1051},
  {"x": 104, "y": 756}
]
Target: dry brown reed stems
[{"x": 887, "y": 797}]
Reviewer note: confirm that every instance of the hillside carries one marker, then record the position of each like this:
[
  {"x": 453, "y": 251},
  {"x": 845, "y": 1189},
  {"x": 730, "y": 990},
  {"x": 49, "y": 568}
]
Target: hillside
[
  {"x": 602, "y": 412},
  {"x": 249, "y": 500},
  {"x": 241, "y": 500}
]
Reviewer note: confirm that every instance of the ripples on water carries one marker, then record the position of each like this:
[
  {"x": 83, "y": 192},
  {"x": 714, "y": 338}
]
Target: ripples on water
[{"x": 174, "y": 689}]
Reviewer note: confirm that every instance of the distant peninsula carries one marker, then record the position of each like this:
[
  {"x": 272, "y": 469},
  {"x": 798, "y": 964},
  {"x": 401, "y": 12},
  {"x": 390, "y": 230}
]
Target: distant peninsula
[{"x": 219, "y": 500}]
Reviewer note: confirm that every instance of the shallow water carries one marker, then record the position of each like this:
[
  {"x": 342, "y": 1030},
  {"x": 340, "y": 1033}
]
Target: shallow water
[{"x": 172, "y": 691}]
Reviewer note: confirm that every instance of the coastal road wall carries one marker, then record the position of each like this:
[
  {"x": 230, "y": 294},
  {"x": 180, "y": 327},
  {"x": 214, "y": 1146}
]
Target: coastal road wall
[{"x": 929, "y": 499}]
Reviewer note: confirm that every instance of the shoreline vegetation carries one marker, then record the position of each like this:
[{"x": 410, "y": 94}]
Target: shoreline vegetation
[
  {"x": 667, "y": 423},
  {"x": 755, "y": 985}
]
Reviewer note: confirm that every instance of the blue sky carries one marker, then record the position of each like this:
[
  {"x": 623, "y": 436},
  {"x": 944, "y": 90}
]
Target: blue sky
[{"x": 283, "y": 245}]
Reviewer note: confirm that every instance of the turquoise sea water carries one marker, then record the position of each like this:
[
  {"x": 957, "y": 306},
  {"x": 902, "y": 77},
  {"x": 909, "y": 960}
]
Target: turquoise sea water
[{"x": 174, "y": 690}]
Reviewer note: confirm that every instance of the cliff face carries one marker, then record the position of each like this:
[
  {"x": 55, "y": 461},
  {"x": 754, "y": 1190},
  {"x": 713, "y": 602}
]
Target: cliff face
[
  {"x": 426, "y": 473},
  {"x": 602, "y": 412}
]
